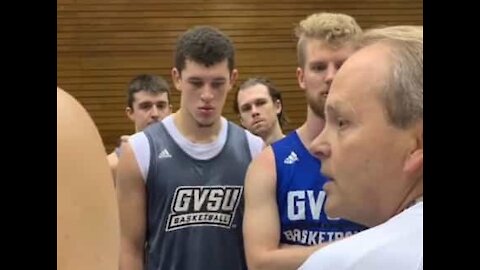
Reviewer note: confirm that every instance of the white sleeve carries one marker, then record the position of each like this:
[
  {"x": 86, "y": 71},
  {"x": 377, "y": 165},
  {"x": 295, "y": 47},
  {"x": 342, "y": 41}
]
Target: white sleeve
[
  {"x": 141, "y": 149},
  {"x": 255, "y": 144},
  {"x": 317, "y": 261}
]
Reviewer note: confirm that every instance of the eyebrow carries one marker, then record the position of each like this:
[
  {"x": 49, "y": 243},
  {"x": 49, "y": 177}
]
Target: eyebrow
[
  {"x": 255, "y": 100},
  {"x": 194, "y": 79},
  {"x": 324, "y": 62},
  {"x": 219, "y": 80},
  {"x": 331, "y": 109},
  {"x": 150, "y": 102},
  {"x": 197, "y": 79},
  {"x": 145, "y": 102},
  {"x": 335, "y": 108},
  {"x": 319, "y": 62}
]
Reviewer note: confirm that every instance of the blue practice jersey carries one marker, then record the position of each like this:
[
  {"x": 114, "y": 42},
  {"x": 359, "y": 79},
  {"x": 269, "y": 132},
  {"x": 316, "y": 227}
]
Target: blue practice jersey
[{"x": 300, "y": 197}]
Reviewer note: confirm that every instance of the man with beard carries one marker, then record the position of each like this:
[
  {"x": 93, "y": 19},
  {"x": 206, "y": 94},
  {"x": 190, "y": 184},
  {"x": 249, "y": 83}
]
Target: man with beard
[
  {"x": 259, "y": 105},
  {"x": 284, "y": 219}
]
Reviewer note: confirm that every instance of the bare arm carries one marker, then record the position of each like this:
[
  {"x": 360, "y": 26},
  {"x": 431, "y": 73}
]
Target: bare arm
[
  {"x": 113, "y": 163},
  {"x": 261, "y": 224},
  {"x": 87, "y": 226},
  {"x": 131, "y": 197},
  {"x": 112, "y": 158}
]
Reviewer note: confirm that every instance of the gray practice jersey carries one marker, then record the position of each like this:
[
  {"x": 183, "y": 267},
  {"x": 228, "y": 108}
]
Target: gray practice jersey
[{"x": 195, "y": 206}]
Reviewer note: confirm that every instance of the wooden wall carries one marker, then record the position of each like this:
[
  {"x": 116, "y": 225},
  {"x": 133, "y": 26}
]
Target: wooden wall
[{"x": 103, "y": 44}]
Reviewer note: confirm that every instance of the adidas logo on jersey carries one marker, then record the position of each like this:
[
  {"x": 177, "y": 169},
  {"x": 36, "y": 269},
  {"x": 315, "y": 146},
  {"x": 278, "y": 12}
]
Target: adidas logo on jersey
[
  {"x": 292, "y": 158},
  {"x": 164, "y": 154}
]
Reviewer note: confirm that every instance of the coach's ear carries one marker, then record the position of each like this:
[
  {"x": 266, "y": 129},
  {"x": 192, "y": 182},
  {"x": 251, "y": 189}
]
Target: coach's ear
[{"x": 414, "y": 161}]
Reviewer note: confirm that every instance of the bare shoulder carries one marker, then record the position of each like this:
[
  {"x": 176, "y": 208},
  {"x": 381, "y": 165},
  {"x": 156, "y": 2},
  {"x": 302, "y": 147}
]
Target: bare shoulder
[
  {"x": 86, "y": 239},
  {"x": 112, "y": 159},
  {"x": 261, "y": 170},
  {"x": 264, "y": 160}
]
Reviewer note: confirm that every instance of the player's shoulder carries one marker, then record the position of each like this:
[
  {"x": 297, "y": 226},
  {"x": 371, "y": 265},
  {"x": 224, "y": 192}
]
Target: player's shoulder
[
  {"x": 112, "y": 159},
  {"x": 265, "y": 158},
  {"x": 285, "y": 147}
]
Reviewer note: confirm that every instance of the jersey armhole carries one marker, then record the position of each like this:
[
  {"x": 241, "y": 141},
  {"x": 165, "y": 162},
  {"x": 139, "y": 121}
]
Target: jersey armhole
[
  {"x": 255, "y": 144},
  {"x": 141, "y": 149}
]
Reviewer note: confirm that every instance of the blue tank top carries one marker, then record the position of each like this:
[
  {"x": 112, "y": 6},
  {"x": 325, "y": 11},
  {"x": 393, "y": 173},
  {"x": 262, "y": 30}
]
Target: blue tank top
[{"x": 300, "y": 197}]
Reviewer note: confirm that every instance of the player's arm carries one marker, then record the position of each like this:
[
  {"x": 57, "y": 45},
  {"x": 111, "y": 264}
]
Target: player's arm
[
  {"x": 112, "y": 158},
  {"x": 113, "y": 163},
  {"x": 131, "y": 195},
  {"x": 261, "y": 224}
]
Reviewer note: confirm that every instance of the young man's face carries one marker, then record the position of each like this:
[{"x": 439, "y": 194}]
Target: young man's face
[
  {"x": 321, "y": 64},
  {"x": 148, "y": 108},
  {"x": 362, "y": 153},
  {"x": 204, "y": 90},
  {"x": 258, "y": 112}
]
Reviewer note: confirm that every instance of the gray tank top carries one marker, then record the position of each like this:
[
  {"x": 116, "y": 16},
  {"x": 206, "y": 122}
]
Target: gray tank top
[{"x": 195, "y": 207}]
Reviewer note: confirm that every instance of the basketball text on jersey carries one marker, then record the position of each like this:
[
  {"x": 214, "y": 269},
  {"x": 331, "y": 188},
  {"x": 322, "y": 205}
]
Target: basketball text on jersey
[
  {"x": 309, "y": 237},
  {"x": 297, "y": 201},
  {"x": 203, "y": 206}
]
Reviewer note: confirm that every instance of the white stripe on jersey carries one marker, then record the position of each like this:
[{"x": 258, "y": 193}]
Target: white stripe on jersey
[{"x": 141, "y": 147}]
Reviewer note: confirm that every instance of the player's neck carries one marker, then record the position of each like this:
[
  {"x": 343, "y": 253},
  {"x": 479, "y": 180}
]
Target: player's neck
[
  {"x": 190, "y": 129},
  {"x": 275, "y": 135},
  {"x": 311, "y": 128}
]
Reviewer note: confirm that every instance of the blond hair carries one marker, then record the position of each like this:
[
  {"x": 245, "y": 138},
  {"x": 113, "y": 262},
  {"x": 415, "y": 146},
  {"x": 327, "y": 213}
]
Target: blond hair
[{"x": 334, "y": 29}]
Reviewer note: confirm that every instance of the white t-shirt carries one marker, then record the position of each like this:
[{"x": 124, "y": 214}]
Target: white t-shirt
[
  {"x": 141, "y": 147},
  {"x": 394, "y": 245}
]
